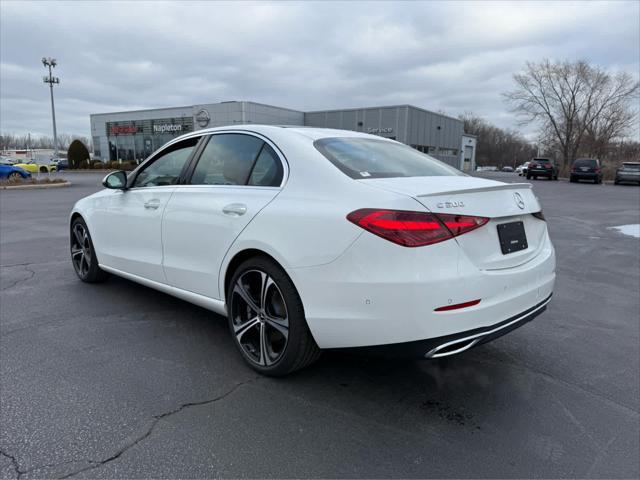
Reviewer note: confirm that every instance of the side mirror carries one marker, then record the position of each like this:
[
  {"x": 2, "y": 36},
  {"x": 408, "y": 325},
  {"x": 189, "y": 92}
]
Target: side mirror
[{"x": 115, "y": 180}]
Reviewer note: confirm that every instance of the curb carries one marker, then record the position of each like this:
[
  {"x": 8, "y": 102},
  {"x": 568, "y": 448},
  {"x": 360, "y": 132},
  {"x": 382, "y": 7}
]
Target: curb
[{"x": 35, "y": 186}]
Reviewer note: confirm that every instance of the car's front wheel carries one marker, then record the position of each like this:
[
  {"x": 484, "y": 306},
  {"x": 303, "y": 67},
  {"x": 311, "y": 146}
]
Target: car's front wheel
[
  {"x": 267, "y": 320},
  {"x": 83, "y": 255},
  {"x": 15, "y": 176}
]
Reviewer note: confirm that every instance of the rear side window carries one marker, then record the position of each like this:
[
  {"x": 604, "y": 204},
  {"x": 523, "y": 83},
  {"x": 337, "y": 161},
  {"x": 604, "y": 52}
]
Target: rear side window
[
  {"x": 631, "y": 166},
  {"x": 267, "y": 171},
  {"x": 585, "y": 162},
  {"x": 370, "y": 158},
  {"x": 227, "y": 160}
]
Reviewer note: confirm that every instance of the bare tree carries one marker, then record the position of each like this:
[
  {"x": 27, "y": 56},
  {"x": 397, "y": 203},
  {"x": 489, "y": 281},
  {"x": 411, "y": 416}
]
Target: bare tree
[{"x": 571, "y": 99}]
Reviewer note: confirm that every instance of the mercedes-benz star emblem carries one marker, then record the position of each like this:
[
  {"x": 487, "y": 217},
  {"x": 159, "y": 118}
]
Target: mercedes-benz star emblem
[{"x": 519, "y": 201}]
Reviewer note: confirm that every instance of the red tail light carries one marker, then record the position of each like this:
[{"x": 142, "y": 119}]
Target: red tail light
[
  {"x": 414, "y": 229},
  {"x": 597, "y": 170}
]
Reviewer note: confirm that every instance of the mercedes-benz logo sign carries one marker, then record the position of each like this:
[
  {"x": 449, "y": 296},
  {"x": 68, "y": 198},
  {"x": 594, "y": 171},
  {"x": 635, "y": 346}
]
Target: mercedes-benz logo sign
[
  {"x": 203, "y": 118},
  {"x": 519, "y": 201}
]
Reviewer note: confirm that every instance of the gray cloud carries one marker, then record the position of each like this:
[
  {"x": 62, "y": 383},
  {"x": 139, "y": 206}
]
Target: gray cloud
[{"x": 447, "y": 56}]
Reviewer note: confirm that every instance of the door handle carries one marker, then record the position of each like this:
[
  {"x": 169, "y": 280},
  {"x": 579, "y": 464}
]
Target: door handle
[
  {"x": 152, "y": 204},
  {"x": 234, "y": 209}
]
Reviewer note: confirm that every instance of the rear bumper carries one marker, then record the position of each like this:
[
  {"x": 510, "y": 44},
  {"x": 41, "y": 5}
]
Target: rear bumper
[
  {"x": 541, "y": 173},
  {"x": 458, "y": 342},
  {"x": 379, "y": 294},
  {"x": 620, "y": 177},
  {"x": 585, "y": 175}
]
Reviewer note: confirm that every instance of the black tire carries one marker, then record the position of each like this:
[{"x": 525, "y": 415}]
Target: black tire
[
  {"x": 528, "y": 177},
  {"x": 44, "y": 170},
  {"x": 269, "y": 329},
  {"x": 83, "y": 255},
  {"x": 616, "y": 182},
  {"x": 572, "y": 179}
]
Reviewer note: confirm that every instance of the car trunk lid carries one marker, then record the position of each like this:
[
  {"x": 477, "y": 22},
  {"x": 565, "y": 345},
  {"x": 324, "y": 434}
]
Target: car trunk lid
[{"x": 463, "y": 195}]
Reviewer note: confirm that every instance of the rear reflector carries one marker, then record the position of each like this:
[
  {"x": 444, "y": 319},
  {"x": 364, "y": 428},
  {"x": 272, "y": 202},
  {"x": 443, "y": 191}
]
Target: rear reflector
[
  {"x": 457, "y": 305},
  {"x": 414, "y": 229}
]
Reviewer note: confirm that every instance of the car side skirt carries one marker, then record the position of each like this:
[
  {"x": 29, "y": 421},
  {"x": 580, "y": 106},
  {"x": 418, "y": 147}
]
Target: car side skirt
[{"x": 217, "y": 306}]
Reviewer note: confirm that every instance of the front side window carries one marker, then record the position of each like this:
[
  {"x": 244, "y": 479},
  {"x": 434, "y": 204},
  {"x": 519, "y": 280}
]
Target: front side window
[
  {"x": 237, "y": 159},
  {"x": 167, "y": 166},
  {"x": 361, "y": 158}
]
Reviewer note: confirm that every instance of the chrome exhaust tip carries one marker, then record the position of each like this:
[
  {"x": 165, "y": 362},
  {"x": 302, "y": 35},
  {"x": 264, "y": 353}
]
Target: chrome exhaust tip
[{"x": 452, "y": 348}]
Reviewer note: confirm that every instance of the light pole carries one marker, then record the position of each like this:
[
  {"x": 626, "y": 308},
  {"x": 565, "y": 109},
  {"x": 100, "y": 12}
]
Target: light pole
[{"x": 51, "y": 63}]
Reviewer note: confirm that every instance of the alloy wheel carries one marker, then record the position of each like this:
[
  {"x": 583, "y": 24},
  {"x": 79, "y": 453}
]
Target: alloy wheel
[
  {"x": 259, "y": 317},
  {"x": 81, "y": 249}
]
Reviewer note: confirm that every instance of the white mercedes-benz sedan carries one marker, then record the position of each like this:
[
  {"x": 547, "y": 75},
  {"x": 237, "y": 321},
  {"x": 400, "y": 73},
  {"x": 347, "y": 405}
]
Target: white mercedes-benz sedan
[{"x": 308, "y": 239}]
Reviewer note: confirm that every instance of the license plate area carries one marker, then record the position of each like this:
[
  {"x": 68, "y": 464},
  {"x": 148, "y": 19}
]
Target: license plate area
[{"x": 512, "y": 237}]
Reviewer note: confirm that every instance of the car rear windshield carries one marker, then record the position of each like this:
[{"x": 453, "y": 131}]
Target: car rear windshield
[
  {"x": 370, "y": 158},
  {"x": 631, "y": 166},
  {"x": 541, "y": 160},
  {"x": 585, "y": 162}
]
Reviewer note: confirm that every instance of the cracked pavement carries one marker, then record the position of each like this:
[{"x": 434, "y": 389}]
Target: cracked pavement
[{"x": 119, "y": 381}]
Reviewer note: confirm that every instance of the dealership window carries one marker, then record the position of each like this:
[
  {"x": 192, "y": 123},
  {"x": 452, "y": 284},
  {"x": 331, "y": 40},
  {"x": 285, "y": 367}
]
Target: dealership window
[
  {"x": 166, "y": 168},
  {"x": 227, "y": 160},
  {"x": 96, "y": 147}
]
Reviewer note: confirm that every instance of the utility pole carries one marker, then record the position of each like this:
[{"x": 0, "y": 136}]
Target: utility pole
[{"x": 51, "y": 63}]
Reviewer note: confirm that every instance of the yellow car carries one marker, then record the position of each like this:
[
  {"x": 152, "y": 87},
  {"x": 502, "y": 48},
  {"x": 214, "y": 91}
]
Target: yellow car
[{"x": 34, "y": 167}]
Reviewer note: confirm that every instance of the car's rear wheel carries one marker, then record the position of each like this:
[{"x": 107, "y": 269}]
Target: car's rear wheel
[
  {"x": 267, "y": 320},
  {"x": 83, "y": 255}
]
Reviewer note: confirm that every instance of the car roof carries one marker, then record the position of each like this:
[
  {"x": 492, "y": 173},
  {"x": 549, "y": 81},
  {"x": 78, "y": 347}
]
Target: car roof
[{"x": 314, "y": 133}]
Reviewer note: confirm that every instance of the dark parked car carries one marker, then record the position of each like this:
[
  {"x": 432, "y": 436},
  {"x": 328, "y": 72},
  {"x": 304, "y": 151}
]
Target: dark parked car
[
  {"x": 586, "y": 169},
  {"x": 628, "y": 172},
  {"x": 62, "y": 164},
  {"x": 542, "y": 167}
]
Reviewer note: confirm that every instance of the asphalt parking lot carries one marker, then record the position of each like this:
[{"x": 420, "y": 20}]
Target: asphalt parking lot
[{"x": 117, "y": 380}]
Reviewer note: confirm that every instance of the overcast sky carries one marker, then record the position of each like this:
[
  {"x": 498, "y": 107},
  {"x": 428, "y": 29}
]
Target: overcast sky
[{"x": 450, "y": 56}]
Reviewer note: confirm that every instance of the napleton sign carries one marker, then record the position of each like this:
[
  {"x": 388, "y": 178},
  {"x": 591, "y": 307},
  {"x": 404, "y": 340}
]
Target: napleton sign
[{"x": 163, "y": 128}]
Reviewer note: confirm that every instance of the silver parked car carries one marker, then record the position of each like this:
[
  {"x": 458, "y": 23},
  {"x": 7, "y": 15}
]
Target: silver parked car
[{"x": 628, "y": 172}]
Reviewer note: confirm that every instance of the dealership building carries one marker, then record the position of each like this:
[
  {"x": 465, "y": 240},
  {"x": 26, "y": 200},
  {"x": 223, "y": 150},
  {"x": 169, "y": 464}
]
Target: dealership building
[{"x": 132, "y": 136}]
